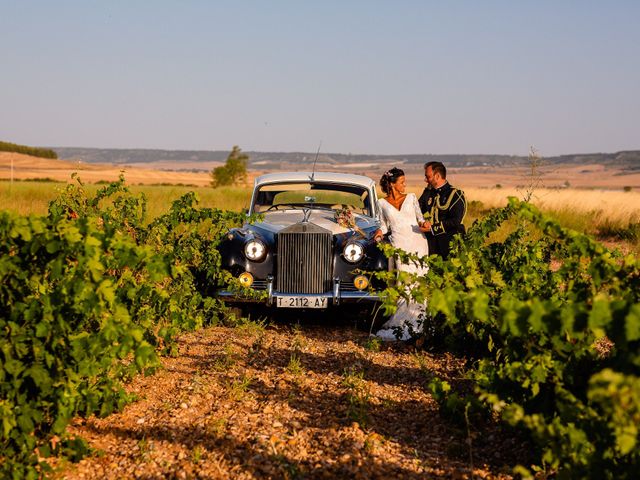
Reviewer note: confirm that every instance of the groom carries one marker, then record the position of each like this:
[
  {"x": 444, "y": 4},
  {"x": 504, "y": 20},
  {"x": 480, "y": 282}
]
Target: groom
[{"x": 444, "y": 208}]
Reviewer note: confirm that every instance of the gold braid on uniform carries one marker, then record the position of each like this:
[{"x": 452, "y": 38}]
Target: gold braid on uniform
[{"x": 437, "y": 228}]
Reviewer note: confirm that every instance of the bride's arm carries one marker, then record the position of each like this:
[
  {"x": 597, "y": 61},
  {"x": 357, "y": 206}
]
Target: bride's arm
[
  {"x": 384, "y": 224},
  {"x": 422, "y": 224},
  {"x": 419, "y": 217}
]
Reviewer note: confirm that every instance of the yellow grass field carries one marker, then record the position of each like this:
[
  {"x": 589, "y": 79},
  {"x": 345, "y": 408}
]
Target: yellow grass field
[
  {"x": 34, "y": 197},
  {"x": 591, "y": 210},
  {"x": 600, "y": 206}
]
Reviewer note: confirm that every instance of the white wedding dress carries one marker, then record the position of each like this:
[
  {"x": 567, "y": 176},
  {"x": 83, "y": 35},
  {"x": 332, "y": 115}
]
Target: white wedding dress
[{"x": 405, "y": 235}]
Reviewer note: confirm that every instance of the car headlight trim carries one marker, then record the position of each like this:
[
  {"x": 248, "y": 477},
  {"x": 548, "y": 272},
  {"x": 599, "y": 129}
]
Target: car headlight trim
[
  {"x": 255, "y": 250},
  {"x": 353, "y": 252}
]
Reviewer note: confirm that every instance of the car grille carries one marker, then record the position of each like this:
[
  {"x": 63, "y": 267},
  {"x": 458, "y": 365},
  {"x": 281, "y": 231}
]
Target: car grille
[{"x": 305, "y": 259}]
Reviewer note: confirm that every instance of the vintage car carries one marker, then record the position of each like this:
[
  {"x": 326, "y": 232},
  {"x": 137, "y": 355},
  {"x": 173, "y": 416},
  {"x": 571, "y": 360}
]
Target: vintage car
[{"x": 314, "y": 244}]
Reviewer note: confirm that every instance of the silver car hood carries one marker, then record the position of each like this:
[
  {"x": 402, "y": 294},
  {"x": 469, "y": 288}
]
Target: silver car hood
[{"x": 276, "y": 221}]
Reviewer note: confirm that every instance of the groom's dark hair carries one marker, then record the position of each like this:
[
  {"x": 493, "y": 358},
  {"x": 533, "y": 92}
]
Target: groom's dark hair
[
  {"x": 437, "y": 167},
  {"x": 390, "y": 176}
]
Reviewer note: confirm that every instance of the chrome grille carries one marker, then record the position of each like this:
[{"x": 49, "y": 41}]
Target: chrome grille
[{"x": 305, "y": 259}]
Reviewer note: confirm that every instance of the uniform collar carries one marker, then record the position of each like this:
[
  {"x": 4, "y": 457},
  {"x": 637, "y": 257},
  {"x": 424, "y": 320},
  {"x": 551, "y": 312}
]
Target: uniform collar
[{"x": 442, "y": 187}]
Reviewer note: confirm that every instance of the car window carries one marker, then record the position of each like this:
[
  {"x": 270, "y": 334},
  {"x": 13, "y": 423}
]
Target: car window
[{"x": 299, "y": 195}]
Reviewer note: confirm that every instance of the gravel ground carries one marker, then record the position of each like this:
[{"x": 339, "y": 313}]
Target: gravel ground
[{"x": 288, "y": 401}]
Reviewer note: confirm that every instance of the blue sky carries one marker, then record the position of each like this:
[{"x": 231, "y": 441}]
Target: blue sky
[{"x": 361, "y": 76}]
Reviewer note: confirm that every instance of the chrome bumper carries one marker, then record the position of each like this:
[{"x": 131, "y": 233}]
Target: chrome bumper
[{"x": 337, "y": 297}]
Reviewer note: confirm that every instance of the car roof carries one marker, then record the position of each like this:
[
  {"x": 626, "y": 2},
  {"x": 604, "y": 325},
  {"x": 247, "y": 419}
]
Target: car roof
[{"x": 322, "y": 177}]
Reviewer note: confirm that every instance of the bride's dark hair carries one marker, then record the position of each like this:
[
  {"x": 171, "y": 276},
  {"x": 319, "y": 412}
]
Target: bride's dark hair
[{"x": 389, "y": 177}]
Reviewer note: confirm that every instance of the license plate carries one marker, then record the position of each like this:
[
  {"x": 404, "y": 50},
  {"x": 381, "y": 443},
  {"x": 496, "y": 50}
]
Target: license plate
[{"x": 301, "y": 302}]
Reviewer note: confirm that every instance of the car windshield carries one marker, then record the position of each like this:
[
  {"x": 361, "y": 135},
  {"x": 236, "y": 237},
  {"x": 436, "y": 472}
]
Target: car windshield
[{"x": 333, "y": 196}]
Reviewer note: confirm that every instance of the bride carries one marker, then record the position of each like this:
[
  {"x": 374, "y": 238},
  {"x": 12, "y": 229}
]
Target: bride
[{"x": 401, "y": 217}]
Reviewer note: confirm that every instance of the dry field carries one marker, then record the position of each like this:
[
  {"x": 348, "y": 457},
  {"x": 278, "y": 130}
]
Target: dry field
[
  {"x": 583, "y": 196},
  {"x": 27, "y": 167},
  {"x": 594, "y": 198},
  {"x": 551, "y": 177},
  {"x": 547, "y": 176},
  {"x": 617, "y": 207}
]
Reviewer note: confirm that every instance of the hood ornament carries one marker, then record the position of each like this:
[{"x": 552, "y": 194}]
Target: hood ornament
[{"x": 307, "y": 213}]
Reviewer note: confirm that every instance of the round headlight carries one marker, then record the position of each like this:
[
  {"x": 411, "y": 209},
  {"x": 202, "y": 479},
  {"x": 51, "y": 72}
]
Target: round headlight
[
  {"x": 353, "y": 252},
  {"x": 255, "y": 250}
]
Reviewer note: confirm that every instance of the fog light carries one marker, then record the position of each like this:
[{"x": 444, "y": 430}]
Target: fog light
[
  {"x": 246, "y": 279},
  {"x": 361, "y": 282}
]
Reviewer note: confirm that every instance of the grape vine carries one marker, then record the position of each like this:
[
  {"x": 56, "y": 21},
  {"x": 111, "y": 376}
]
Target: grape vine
[
  {"x": 89, "y": 294},
  {"x": 550, "y": 320}
]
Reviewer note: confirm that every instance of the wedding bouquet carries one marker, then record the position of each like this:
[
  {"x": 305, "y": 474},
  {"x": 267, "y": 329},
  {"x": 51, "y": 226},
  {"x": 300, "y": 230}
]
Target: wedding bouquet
[{"x": 344, "y": 217}]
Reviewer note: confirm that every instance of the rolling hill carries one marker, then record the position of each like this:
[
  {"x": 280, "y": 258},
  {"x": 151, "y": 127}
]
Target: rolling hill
[{"x": 266, "y": 160}]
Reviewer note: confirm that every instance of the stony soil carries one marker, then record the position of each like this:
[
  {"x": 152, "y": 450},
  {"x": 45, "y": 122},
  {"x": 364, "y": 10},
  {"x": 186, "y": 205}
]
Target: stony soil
[{"x": 291, "y": 401}]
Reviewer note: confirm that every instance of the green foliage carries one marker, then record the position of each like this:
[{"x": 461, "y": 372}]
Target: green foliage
[
  {"x": 33, "y": 151},
  {"x": 551, "y": 322},
  {"x": 372, "y": 344},
  {"x": 358, "y": 396},
  {"x": 63, "y": 326},
  {"x": 233, "y": 171},
  {"x": 88, "y": 295}
]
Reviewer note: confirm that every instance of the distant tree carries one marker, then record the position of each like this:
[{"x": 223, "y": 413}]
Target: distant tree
[
  {"x": 233, "y": 171},
  {"x": 33, "y": 151}
]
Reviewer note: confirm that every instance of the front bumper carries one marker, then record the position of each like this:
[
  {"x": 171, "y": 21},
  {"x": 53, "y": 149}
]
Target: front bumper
[{"x": 335, "y": 297}]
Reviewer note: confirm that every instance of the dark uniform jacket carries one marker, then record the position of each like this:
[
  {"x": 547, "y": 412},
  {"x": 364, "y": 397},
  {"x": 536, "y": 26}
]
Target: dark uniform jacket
[{"x": 445, "y": 208}]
